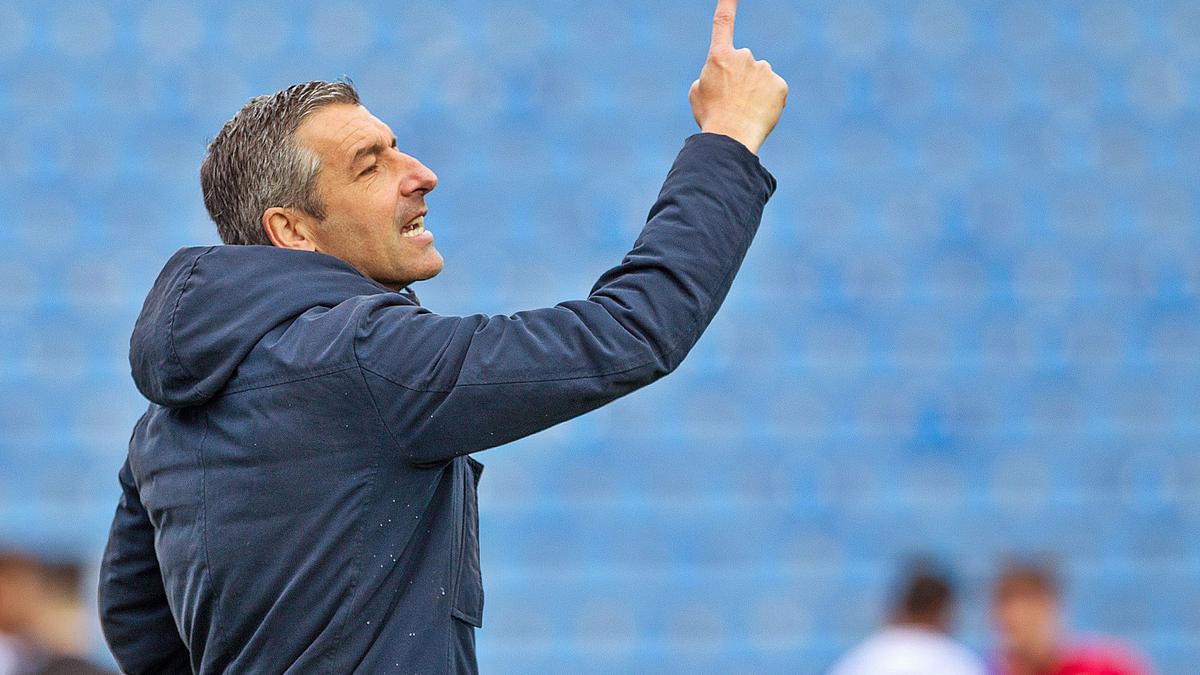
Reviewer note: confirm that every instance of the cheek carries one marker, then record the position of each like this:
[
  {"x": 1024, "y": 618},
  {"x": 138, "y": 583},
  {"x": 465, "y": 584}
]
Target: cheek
[
  {"x": 1004, "y": 621},
  {"x": 369, "y": 206},
  {"x": 1011, "y": 620},
  {"x": 379, "y": 202},
  {"x": 367, "y": 225}
]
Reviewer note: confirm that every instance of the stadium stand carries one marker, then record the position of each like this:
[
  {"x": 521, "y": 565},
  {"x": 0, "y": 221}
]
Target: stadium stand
[{"x": 970, "y": 324}]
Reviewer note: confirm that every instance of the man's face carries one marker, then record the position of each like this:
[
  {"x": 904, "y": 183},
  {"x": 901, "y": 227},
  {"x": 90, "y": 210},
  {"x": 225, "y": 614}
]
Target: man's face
[
  {"x": 374, "y": 197},
  {"x": 1028, "y": 624}
]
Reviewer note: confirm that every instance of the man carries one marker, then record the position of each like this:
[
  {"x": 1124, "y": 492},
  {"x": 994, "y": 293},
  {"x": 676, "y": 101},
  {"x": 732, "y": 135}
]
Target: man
[
  {"x": 1025, "y": 608},
  {"x": 298, "y": 496},
  {"x": 917, "y": 640}
]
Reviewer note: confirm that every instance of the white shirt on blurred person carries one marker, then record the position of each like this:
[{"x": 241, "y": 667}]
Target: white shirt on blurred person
[
  {"x": 917, "y": 639},
  {"x": 8, "y": 655},
  {"x": 909, "y": 650}
]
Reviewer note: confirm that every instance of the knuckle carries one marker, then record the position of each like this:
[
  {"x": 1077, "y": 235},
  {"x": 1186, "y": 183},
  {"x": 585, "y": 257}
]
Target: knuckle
[{"x": 723, "y": 18}]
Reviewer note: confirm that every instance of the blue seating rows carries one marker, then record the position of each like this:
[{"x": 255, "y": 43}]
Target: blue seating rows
[{"x": 970, "y": 324}]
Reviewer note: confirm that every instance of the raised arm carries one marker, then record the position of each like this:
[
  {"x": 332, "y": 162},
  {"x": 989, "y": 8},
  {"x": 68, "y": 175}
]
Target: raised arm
[
  {"x": 448, "y": 386},
  {"x": 134, "y": 615}
]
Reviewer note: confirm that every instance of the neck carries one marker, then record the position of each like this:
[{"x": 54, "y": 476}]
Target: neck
[
  {"x": 1026, "y": 663},
  {"x": 922, "y": 623}
]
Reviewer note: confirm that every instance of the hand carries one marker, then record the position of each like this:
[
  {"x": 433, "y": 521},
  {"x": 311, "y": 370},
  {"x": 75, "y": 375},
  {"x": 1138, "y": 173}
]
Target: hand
[{"x": 736, "y": 95}]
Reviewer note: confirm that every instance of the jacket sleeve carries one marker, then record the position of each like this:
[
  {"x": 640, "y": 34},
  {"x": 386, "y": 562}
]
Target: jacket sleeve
[
  {"x": 134, "y": 616},
  {"x": 447, "y": 386}
]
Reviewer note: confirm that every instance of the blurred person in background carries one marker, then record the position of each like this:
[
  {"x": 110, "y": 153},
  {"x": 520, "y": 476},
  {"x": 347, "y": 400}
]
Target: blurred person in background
[
  {"x": 1033, "y": 640},
  {"x": 916, "y": 639},
  {"x": 298, "y": 495},
  {"x": 41, "y": 618}
]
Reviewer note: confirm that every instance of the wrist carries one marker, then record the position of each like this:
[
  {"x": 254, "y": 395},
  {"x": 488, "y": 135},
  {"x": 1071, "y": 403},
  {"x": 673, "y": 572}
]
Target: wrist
[{"x": 746, "y": 137}]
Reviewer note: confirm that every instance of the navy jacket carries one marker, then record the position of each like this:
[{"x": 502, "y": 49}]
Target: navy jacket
[{"x": 298, "y": 496}]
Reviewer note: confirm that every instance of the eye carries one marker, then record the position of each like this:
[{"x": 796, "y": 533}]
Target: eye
[{"x": 369, "y": 170}]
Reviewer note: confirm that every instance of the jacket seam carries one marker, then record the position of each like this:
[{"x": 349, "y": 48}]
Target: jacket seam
[
  {"x": 133, "y": 472},
  {"x": 356, "y": 568},
  {"x": 379, "y": 413},
  {"x": 217, "y": 623},
  {"x": 321, "y": 372},
  {"x": 587, "y": 376},
  {"x": 458, "y": 514},
  {"x": 367, "y": 385},
  {"x": 175, "y": 310},
  {"x": 601, "y": 374}
]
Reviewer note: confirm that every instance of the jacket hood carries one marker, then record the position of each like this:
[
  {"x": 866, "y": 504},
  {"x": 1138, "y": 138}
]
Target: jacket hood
[{"x": 210, "y": 305}]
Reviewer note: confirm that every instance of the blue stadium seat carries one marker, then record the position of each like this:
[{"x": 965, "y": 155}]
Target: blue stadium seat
[{"x": 969, "y": 324}]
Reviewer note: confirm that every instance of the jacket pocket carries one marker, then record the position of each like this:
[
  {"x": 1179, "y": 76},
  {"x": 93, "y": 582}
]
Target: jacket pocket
[{"x": 468, "y": 598}]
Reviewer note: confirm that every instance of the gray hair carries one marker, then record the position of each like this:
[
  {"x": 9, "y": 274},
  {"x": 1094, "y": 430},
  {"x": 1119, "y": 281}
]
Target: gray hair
[{"x": 255, "y": 163}]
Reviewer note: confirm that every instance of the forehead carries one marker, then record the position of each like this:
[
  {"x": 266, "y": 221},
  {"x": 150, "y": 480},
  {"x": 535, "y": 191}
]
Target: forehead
[
  {"x": 336, "y": 131},
  {"x": 1025, "y": 598}
]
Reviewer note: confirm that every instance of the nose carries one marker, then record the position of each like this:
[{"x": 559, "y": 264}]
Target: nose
[{"x": 418, "y": 179}]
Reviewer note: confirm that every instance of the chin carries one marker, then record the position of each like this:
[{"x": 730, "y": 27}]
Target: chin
[
  {"x": 414, "y": 273},
  {"x": 433, "y": 269}
]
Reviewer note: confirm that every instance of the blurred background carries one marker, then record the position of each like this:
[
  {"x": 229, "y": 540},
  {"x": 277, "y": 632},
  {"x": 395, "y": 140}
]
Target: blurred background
[{"x": 969, "y": 327}]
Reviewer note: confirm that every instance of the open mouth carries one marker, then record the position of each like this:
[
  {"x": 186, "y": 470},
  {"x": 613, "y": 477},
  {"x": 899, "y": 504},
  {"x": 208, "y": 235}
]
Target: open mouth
[{"x": 414, "y": 228}]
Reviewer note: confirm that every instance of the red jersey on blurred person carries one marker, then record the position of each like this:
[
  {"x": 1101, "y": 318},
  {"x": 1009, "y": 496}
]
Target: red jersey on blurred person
[
  {"x": 1027, "y": 612},
  {"x": 1100, "y": 659},
  {"x": 1085, "y": 659}
]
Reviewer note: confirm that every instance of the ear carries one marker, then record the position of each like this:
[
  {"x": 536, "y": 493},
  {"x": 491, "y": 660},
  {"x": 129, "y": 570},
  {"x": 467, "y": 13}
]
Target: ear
[{"x": 288, "y": 228}]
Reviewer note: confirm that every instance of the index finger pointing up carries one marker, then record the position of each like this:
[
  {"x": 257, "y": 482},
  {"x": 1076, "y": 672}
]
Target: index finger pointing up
[{"x": 722, "y": 36}]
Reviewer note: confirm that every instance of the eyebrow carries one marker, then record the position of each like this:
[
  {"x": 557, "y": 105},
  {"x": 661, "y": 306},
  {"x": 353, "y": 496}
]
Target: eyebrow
[{"x": 373, "y": 149}]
